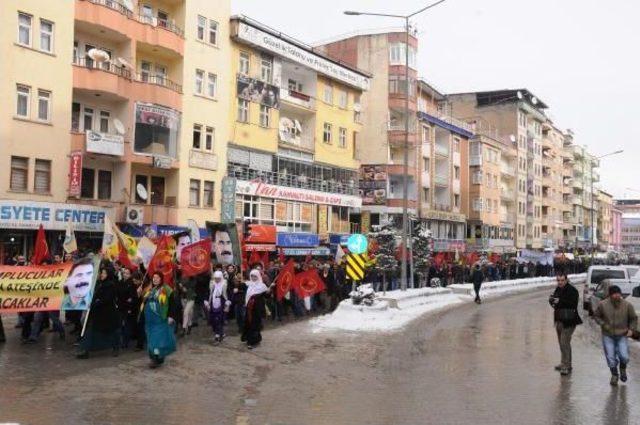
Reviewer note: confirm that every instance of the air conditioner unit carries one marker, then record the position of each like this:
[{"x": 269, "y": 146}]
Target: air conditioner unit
[{"x": 134, "y": 215}]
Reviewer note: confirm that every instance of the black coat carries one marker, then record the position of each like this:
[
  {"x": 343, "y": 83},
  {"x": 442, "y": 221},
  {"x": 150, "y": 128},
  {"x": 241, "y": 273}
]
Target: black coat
[
  {"x": 104, "y": 314},
  {"x": 477, "y": 277},
  {"x": 567, "y": 299}
]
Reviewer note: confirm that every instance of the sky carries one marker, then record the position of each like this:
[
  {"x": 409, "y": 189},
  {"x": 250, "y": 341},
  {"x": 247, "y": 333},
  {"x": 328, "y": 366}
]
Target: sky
[{"x": 579, "y": 56}]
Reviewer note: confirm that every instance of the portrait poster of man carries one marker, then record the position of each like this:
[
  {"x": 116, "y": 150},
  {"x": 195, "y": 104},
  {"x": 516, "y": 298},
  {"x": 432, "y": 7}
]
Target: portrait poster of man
[
  {"x": 79, "y": 287},
  {"x": 225, "y": 244},
  {"x": 258, "y": 91}
]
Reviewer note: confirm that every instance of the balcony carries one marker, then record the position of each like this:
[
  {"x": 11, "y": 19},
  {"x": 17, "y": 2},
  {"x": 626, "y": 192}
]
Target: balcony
[
  {"x": 441, "y": 149},
  {"x": 285, "y": 179},
  {"x": 576, "y": 183},
  {"x": 163, "y": 213},
  {"x": 456, "y": 158},
  {"x": 475, "y": 160},
  {"x": 508, "y": 171},
  {"x": 596, "y": 176},
  {"x": 299, "y": 99},
  {"x": 425, "y": 179},
  {"x": 507, "y": 195},
  {"x": 455, "y": 186},
  {"x": 441, "y": 180},
  {"x": 578, "y": 151},
  {"x": 115, "y": 16}
]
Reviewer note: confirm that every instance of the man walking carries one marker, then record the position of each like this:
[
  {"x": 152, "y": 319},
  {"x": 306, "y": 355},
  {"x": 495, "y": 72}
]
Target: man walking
[
  {"x": 564, "y": 301},
  {"x": 477, "y": 277},
  {"x": 617, "y": 319}
]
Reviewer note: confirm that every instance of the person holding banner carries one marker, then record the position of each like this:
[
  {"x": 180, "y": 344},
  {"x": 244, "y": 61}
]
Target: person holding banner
[
  {"x": 158, "y": 308},
  {"x": 255, "y": 309}
]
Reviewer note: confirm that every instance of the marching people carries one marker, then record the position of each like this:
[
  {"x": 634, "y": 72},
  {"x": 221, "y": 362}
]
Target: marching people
[
  {"x": 618, "y": 320},
  {"x": 564, "y": 301},
  {"x": 103, "y": 323},
  {"x": 217, "y": 305},
  {"x": 255, "y": 309},
  {"x": 127, "y": 305},
  {"x": 158, "y": 308},
  {"x": 477, "y": 277}
]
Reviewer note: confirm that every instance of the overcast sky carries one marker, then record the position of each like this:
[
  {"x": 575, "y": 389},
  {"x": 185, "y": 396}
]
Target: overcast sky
[{"x": 581, "y": 57}]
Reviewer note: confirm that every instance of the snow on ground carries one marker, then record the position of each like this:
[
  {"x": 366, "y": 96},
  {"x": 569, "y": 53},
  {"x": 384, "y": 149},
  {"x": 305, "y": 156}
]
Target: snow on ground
[{"x": 395, "y": 309}]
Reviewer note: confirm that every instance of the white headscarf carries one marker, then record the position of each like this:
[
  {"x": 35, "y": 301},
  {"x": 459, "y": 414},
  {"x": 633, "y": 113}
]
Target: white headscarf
[
  {"x": 254, "y": 288},
  {"x": 217, "y": 289}
]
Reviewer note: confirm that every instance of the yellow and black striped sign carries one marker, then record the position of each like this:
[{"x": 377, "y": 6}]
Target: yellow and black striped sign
[{"x": 356, "y": 264}]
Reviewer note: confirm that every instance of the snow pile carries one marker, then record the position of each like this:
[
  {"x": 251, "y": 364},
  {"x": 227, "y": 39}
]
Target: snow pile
[{"x": 395, "y": 309}]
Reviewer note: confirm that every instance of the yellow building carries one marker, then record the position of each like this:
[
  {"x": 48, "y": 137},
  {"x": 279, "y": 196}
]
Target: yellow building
[
  {"x": 294, "y": 131},
  {"x": 115, "y": 108}
]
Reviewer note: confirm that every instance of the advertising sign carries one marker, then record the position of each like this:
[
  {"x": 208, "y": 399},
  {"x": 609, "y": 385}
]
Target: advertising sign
[
  {"x": 228, "y": 214},
  {"x": 261, "y": 233},
  {"x": 32, "y": 288},
  {"x": 298, "y": 239},
  {"x": 373, "y": 184},
  {"x": 108, "y": 144},
  {"x": 30, "y": 214},
  {"x": 258, "y": 188},
  {"x": 75, "y": 174}
]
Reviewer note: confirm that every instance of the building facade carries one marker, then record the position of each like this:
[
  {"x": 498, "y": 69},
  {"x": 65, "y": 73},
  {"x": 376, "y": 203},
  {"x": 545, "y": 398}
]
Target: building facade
[
  {"x": 295, "y": 129},
  {"x": 125, "y": 85},
  {"x": 604, "y": 221},
  {"x": 553, "y": 206},
  {"x": 616, "y": 228}
]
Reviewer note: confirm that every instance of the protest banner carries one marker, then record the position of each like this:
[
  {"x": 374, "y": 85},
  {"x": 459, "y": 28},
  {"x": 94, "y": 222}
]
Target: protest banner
[{"x": 32, "y": 288}]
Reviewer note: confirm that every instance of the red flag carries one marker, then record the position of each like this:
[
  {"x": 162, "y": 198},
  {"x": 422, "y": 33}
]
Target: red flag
[
  {"x": 162, "y": 260},
  {"x": 265, "y": 259},
  {"x": 308, "y": 283},
  {"x": 254, "y": 258},
  {"x": 41, "y": 250},
  {"x": 439, "y": 259},
  {"x": 196, "y": 258},
  {"x": 307, "y": 259},
  {"x": 285, "y": 279},
  {"x": 281, "y": 255},
  {"x": 124, "y": 259}
]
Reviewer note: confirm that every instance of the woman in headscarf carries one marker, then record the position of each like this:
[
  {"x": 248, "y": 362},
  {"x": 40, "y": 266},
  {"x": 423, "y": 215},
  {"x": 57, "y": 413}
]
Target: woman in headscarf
[
  {"x": 158, "y": 307},
  {"x": 103, "y": 325},
  {"x": 255, "y": 310},
  {"x": 218, "y": 304}
]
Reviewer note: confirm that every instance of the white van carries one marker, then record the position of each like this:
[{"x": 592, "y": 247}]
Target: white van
[{"x": 597, "y": 274}]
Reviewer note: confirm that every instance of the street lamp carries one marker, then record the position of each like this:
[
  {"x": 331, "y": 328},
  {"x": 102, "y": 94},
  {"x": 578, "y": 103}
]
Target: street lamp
[
  {"x": 593, "y": 228},
  {"x": 405, "y": 165}
]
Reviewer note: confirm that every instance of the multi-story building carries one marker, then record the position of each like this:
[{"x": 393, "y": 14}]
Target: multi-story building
[
  {"x": 492, "y": 185},
  {"x": 129, "y": 108},
  {"x": 629, "y": 225},
  {"x": 295, "y": 129},
  {"x": 553, "y": 206},
  {"x": 616, "y": 228},
  {"x": 518, "y": 115},
  {"x": 569, "y": 213},
  {"x": 438, "y": 144},
  {"x": 582, "y": 198},
  {"x": 604, "y": 206}
]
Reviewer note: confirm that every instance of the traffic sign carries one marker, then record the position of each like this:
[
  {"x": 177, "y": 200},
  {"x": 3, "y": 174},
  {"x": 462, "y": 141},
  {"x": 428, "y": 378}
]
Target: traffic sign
[
  {"x": 357, "y": 243},
  {"x": 356, "y": 264}
]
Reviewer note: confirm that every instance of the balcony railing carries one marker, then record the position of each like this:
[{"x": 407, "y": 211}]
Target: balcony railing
[
  {"x": 288, "y": 180},
  {"x": 159, "y": 80},
  {"x": 475, "y": 160},
  {"x": 119, "y": 7},
  {"x": 103, "y": 66},
  {"x": 298, "y": 98}
]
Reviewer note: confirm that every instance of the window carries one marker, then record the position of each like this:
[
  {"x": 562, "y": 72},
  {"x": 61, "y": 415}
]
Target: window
[
  {"x": 197, "y": 134},
  {"x": 104, "y": 184},
  {"x": 342, "y": 137},
  {"x": 264, "y": 116},
  {"x": 19, "y": 173},
  {"x": 456, "y": 201},
  {"x": 425, "y": 194},
  {"x": 87, "y": 189},
  {"x": 163, "y": 19},
  {"x": 456, "y": 173},
  {"x": 243, "y": 110},
  {"x": 207, "y": 195},
  {"x": 266, "y": 65},
  {"x": 212, "y": 80},
  {"x": 23, "y": 101},
  {"x": 194, "y": 193},
  {"x": 213, "y": 32},
  {"x": 157, "y": 190},
  {"x": 293, "y": 85},
  {"x": 209, "y": 138},
  {"x": 355, "y": 145},
  {"x": 456, "y": 144},
  {"x": 327, "y": 94},
  {"x": 245, "y": 63},
  {"x": 42, "y": 180},
  {"x": 104, "y": 121},
  {"x": 397, "y": 55},
  {"x": 75, "y": 116},
  {"x": 326, "y": 134},
  {"x": 199, "y": 81},
  {"x": 87, "y": 119},
  {"x": 46, "y": 36},
  {"x": 425, "y": 164},
  {"x": 343, "y": 99},
  {"x": 24, "y": 29},
  {"x": 43, "y": 105},
  {"x": 161, "y": 74},
  {"x": 202, "y": 23},
  {"x": 145, "y": 71}
]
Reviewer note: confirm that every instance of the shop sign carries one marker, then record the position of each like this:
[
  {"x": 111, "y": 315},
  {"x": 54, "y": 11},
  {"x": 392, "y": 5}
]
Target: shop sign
[
  {"x": 443, "y": 215},
  {"x": 373, "y": 184},
  {"x": 259, "y": 247},
  {"x": 337, "y": 239},
  {"x": 261, "y": 233},
  {"x": 53, "y": 216},
  {"x": 228, "y": 214},
  {"x": 161, "y": 162},
  {"x": 321, "y": 250},
  {"x": 365, "y": 222},
  {"x": 298, "y": 239},
  {"x": 204, "y": 160},
  {"x": 108, "y": 144},
  {"x": 259, "y": 188},
  {"x": 75, "y": 174},
  {"x": 441, "y": 245},
  {"x": 323, "y": 220}
]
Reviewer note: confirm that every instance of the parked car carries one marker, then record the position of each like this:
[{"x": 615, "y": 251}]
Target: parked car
[
  {"x": 633, "y": 272},
  {"x": 595, "y": 275},
  {"x": 601, "y": 292}
]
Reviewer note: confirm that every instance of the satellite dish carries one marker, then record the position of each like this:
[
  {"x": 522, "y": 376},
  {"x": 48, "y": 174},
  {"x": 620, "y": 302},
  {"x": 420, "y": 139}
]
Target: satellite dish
[
  {"x": 142, "y": 192},
  {"x": 534, "y": 100},
  {"x": 119, "y": 126},
  {"x": 98, "y": 55},
  {"x": 128, "y": 4},
  {"x": 512, "y": 138},
  {"x": 519, "y": 94},
  {"x": 297, "y": 125}
]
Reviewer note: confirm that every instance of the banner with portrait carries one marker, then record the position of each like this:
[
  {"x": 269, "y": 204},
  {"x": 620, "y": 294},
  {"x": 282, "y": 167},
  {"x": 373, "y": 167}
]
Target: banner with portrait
[
  {"x": 225, "y": 243},
  {"x": 258, "y": 91},
  {"x": 373, "y": 184},
  {"x": 32, "y": 288},
  {"x": 80, "y": 284}
]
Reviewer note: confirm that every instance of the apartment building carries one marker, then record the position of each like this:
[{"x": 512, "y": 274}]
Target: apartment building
[
  {"x": 616, "y": 228},
  {"x": 629, "y": 225},
  {"x": 438, "y": 144},
  {"x": 113, "y": 89},
  {"x": 295, "y": 129},
  {"x": 518, "y": 115},
  {"x": 553, "y": 205},
  {"x": 604, "y": 227}
]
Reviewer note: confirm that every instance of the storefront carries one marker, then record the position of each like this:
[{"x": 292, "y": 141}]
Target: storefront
[{"x": 19, "y": 221}]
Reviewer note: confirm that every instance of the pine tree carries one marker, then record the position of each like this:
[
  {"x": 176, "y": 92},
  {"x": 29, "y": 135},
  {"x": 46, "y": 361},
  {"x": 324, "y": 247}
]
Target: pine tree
[
  {"x": 386, "y": 264},
  {"x": 422, "y": 250}
]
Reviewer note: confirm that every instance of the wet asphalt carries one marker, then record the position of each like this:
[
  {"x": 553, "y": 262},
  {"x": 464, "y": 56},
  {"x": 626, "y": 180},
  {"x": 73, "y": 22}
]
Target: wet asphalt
[{"x": 489, "y": 364}]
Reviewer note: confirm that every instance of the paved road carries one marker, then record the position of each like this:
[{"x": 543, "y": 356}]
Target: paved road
[{"x": 489, "y": 364}]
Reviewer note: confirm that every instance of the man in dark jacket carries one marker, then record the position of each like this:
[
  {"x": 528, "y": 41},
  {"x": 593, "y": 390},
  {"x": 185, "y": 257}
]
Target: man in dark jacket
[
  {"x": 477, "y": 277},
  {"x": 564, "y": 301}
]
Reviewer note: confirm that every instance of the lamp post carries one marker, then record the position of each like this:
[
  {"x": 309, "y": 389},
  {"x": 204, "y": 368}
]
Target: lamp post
[
  {"x": 594, "y": 240},
  {"x": 405, "y": 165}
]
